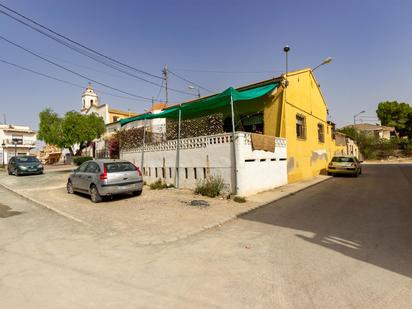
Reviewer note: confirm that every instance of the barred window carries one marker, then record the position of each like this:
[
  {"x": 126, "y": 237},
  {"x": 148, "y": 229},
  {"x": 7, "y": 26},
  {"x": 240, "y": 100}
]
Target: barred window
[
  {"x": 300, "y": 126},
  {"x": 321, "y": 133}
]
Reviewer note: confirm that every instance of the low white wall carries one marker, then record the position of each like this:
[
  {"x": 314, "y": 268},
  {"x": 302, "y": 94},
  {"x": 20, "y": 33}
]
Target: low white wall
[
  {"x": 259, "y": 170},
  {"x": 200, "y": 157}
]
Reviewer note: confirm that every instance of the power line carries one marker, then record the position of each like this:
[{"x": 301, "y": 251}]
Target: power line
[
  {"x": 89, "y": 52},
  {"x": 71, "y": 71},
  {"x": 60, "y": 80},
  {"x": 80, "y": 51},
  {"x": 228, "y": 72},
  {"x": 68, "y": 39},
  {"x": 188, "y": 81}
]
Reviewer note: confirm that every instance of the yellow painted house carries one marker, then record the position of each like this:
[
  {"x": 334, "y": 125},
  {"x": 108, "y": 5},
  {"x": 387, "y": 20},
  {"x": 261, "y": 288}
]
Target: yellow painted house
[{"x": 298, "y": 112}]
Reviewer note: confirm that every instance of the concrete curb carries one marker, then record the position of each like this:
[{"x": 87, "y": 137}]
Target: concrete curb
[
  {"x": 286, "y": 195},
  {"x": 234, "y": 217},
  {"x": 30, "y": 199}
]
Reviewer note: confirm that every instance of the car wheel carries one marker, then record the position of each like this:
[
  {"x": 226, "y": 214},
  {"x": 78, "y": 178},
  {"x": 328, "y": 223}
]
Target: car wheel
[
  {"x": 137, "y": 193},
  {"x": 16, "y": 172},
  {"x": 69, "y": 186},
  {"x": 94, "y": 194}
]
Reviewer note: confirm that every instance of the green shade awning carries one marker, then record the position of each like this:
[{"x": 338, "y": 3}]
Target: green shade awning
[{"x": 207, "y": 106}]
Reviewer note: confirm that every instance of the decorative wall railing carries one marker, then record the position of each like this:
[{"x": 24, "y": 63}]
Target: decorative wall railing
[{"x": 186, "y": 143}]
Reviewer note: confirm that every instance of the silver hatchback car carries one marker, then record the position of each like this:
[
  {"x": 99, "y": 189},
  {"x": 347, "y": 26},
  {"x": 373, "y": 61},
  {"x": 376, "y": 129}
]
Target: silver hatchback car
[{"x": 107, "y": 177}]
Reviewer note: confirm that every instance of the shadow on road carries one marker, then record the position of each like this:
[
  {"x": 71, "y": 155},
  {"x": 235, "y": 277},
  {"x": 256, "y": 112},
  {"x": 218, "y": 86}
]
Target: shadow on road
[
  {"x": 5, "y": 212},
  {"x": 368, "y": 218}
]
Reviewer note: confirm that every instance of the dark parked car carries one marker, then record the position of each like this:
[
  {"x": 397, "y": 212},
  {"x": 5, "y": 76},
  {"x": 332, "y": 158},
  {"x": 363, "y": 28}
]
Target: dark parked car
[
  {"x": 100, "y": 178},
  {"x": 24, "y": 165}
]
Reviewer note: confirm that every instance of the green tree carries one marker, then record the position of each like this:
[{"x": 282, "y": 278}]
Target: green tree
[
  {"x": 74, "y": 129},
  {"x": 350, "y": 131},
  {"x": 50, "y": 127},
  {"x": 398, "y": 115}
]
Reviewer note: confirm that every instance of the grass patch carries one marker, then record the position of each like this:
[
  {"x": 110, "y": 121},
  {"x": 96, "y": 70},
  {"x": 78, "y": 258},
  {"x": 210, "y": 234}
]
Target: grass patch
[
  {"x": 159, "y": 185},
  {"x": 211, "y": 186}
]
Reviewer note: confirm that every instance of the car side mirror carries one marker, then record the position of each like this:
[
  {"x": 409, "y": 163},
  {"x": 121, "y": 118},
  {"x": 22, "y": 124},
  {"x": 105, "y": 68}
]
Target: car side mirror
[{"x": 76, "y": 170}]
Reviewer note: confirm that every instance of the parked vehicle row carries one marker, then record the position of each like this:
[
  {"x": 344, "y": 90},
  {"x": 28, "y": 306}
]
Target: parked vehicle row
[{"x": 107, "y": 177}]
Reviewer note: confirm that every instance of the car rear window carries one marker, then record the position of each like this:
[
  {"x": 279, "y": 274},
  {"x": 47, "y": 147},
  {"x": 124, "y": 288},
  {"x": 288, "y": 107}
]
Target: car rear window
[
  {"x": 116, "y": 167},
  {"x": 27, "y": 160},
  {"x": 342, "y": 159}
]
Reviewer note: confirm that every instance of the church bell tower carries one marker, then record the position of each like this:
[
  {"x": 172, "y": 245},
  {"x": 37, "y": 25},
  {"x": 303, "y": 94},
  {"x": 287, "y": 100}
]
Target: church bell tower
[{"x": 89, "y": 98}]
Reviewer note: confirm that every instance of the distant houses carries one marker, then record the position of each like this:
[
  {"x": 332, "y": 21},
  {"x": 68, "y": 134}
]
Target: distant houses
[
  {"x": 374, "y": 129},
  {"x": 16, "y": 140}
]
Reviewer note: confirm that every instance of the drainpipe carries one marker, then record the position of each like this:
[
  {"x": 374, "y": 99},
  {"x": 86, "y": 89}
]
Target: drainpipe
[{"x": 233, "y": 147}]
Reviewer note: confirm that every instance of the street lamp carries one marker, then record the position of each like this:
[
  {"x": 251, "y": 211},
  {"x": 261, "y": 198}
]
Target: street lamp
[
  {"x": 326, "y": 61},
  {"x": 354, "y": 118},
  {"x": 195, "y": 88}
]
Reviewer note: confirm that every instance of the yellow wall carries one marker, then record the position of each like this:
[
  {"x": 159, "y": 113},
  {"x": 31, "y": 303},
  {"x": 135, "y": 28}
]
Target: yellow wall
[
  {"x": 120, "y": 115},
  {"x": 306, "y": 157}
]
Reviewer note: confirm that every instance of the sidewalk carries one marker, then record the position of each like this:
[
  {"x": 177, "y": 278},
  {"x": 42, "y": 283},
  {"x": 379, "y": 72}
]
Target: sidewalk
[{"x": 155, "y": 217}]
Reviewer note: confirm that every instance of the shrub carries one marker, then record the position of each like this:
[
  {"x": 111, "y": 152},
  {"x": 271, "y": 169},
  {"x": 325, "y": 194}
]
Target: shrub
[
  {"x": 406, "y": 145},
  {"x": 211, "y": 186},
  {"x": 158, "y": 185},
  {"x": 239, "y": 199},
  {"x": 80, "y": 160}
]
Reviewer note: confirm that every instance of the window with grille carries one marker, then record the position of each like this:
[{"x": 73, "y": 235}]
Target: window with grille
[
  {"x": 300, "y": 126},
  {"x": 321, "y": 133}
]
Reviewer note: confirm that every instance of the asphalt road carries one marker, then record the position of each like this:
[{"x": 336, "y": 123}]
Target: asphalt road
[{"x": 345, "y": 243}]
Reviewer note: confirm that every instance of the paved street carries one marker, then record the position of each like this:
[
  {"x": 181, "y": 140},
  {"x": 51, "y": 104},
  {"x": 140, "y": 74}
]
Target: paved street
[{"x": 344, "y": 243}]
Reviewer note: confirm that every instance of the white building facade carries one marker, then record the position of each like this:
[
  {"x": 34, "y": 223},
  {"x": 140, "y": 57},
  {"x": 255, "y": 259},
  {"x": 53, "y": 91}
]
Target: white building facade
[
  {"x": 250, "y": 171},
  {"x": 16, "y": 140}
]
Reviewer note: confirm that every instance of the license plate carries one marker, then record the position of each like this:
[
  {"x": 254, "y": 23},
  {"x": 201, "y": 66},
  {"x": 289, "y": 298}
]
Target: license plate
[{"x": 124, "y": 187}]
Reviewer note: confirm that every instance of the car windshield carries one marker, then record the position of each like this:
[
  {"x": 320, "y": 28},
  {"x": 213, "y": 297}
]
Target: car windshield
[
  {"x": 119, "y": 167},
  {"x": 342, "y": 159},
  {"x": 27, "y": 160}
]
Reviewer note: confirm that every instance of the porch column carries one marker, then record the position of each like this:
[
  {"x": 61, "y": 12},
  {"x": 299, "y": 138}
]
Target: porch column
[
  {"x": 144, "y": 143},
  {"x": 177, "y": 172},
  {"x": 234, "y": 191}
]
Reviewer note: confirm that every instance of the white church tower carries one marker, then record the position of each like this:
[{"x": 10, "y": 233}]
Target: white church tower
[{"x": 89, "y": 98}]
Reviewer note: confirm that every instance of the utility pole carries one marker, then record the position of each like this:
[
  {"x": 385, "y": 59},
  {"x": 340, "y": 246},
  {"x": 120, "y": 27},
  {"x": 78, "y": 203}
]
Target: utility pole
[{"x": 165, "y": 73}]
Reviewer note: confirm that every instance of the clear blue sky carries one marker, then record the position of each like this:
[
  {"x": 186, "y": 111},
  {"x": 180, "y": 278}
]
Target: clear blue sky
[{"x": 370, "y": 42}]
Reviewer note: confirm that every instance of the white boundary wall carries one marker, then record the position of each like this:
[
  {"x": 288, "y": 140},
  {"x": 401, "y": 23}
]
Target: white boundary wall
[{"x": 212, "y": 155}]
